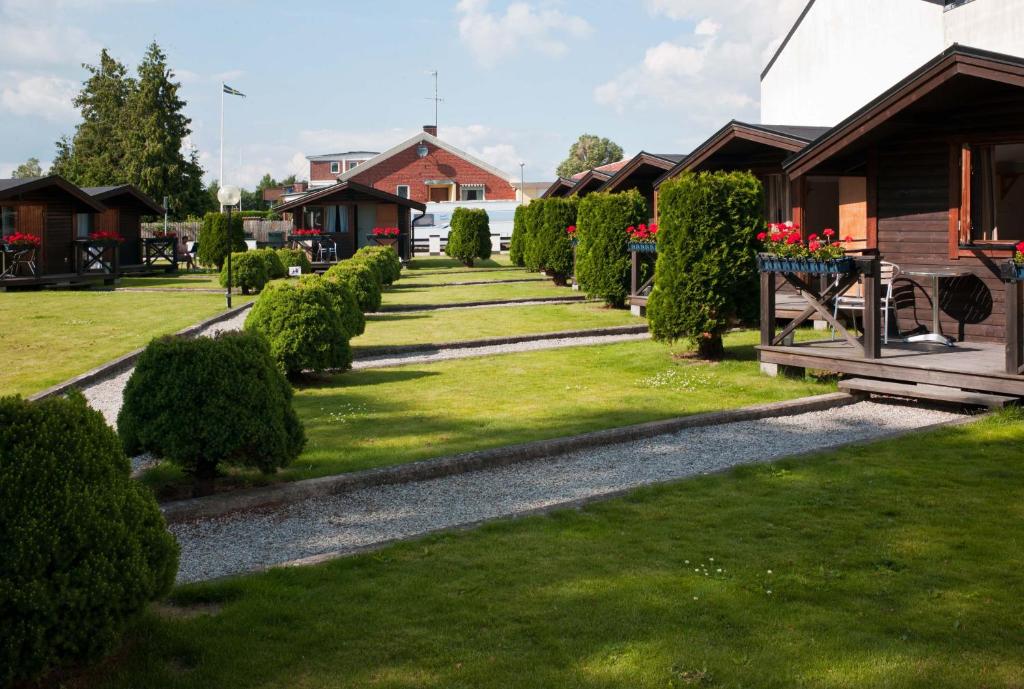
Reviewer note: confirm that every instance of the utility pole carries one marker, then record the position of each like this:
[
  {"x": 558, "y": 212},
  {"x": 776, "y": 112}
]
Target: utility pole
[
  {"x": 436, "y": 100},
  {"x": 522, "y": 183}
]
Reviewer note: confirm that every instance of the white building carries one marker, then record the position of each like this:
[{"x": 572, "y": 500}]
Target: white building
[{"x": 841, "y": 54}]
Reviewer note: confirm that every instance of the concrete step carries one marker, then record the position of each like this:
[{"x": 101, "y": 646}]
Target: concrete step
[{"x": 940, "y": 393}]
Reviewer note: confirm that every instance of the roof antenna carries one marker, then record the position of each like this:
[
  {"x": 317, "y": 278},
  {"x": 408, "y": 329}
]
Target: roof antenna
[{"x": 436, "y": 100}]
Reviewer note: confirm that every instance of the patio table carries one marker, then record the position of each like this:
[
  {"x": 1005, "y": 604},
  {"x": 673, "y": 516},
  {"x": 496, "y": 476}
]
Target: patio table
[{"x": 936, "y": 275}]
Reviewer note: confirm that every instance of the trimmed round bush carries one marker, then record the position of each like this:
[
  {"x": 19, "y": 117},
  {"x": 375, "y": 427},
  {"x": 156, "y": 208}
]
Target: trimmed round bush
[
  {"x": 214, "y": 244},
  {"x": 303, "y": 325},
  {"x": 389, "y": 265},
  {"x": 275, "y": 267},
  {"x": 602, "y": 254},
  {"x": 533, "y": 255},
  {"x": 205, "y": 402},
  {"x": 294, "y": 257},
  {"x": 248, "y": 272},
  {"x": 344, "y": 299},
  {"x": 515, "y": 245},
  {"x": 84, "y": 547},
  {"x": 706, "y": 272},
  {"x": 466, "y": 238},
  {"x": 362, "y": 280}
]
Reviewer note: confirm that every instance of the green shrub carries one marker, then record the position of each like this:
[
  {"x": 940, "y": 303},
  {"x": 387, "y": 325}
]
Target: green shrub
[
  {"x": 275, "y": 267},
  {"x": 602, "y": 254},
  {"x": 213, "y": 238},
  {"x": 533, "y": 254},
  {"x": 554, "y": 245},
  {"x": 84, "y": 547},
  {"x": 383, "y": 260},
  {"x": 362, "y": 280},
  {"x": 515, "y": 245},
  {"x": 469, "y": 227},
  {"x": 248, "y": 272},
  {"x": 303, "y": 325},
  {"x": 294, "y": 257},
  {"x": 207, "y": 401},
  {"x": 344, "y": 299},
  {"x": 706, "y": 270}
]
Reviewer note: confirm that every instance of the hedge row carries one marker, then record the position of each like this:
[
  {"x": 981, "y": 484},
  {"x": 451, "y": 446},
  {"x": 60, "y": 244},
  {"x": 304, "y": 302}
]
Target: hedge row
[
  {"x": 705, "y": 278},
  {"x": 470, "y": 235},
  {"x": 515, "y": 245},
  {"x": 602, "y": 254}
]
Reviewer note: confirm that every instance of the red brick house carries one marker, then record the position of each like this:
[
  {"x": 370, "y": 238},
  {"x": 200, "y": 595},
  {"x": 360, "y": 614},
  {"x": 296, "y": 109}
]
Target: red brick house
[{"x": 426, "y": 169}]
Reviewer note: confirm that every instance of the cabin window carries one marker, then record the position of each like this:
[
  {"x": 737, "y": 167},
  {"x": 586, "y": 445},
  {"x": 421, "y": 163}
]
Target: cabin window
[
  {"x": 776, "y": 198},
  {"x": 337, "y": 219},
  {"x": 402, "y": 190},
  {"x": 313, "y": 218},
  {"x": 335, "y": 168},
  {"x": 83, "y": 223},
  {"x": 8, "y": 219},
  {"x": 993, "y": 194}
]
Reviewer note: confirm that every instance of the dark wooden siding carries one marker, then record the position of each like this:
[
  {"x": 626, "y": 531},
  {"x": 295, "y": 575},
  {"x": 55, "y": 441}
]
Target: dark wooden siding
[
  {"x": 58, "y": 238},
  {"x": 130, "y": 228},
  {"x": 913, "y": 232}
]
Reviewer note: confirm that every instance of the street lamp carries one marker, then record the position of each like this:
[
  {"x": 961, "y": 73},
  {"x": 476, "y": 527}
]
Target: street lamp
[
  {"x": 522, "y": 184},
  {"x": 229, "y": 196}
]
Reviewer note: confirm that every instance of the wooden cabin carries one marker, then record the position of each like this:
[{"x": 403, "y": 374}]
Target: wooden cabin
[
  {"x": 124, "y": 207},
  {"x": 347, "y": 212},
  {"x": 559, "y": 188},
  {"x": 47, "y": 207},
  {"x": 640, "y": 173},
  {"x": 941, "y": 157},
  {"x": 588, "y": 182}
]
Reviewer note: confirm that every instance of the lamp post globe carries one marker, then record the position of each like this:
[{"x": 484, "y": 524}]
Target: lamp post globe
[{"x": 228, "y": 196}]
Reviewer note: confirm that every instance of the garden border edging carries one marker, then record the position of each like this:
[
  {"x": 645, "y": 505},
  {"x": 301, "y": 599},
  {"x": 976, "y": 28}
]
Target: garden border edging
[
  {"x": 285, "y": 493},
  {"x": 126, "y": 361},
  {"x": 403, "y": 308}
]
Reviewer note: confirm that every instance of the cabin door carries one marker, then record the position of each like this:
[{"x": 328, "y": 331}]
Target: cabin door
[
  {"x": 853, "y": 210},
  {"x": 32, "y": 220}
]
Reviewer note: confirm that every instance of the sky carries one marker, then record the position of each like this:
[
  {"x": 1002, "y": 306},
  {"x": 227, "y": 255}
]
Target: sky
[{"x": 520, "y": 80}]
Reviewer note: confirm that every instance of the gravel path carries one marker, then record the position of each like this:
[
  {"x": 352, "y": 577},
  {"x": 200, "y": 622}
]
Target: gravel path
[
  {"x": 466, "y": 353},
  {"x": 249, "y": 541}
]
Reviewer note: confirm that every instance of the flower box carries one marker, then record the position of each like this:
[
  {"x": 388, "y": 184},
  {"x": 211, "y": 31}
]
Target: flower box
[
  {"x": 644, "y": 247},
  {"x": 770, "y": 263},
  {"x": 1014, "y": 272}
]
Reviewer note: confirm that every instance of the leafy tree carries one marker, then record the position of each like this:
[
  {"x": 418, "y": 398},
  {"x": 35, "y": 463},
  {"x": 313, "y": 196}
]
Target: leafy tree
[
  {"x": 602, "y": 255},
  {"x": 30, "y": 168},
  {"x": 589, "y": 152},
  {"x": 706, "y": 270}
]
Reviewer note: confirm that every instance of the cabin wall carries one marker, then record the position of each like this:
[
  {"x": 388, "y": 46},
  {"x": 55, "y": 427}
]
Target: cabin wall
[
  {"x": 58, "y": 239},
  {"x": 130, "y": 227},
  {"x": 913, "y": 232}
]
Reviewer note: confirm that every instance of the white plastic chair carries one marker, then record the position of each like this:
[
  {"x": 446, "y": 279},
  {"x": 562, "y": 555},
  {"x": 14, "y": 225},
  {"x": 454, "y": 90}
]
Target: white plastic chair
[
  {"x": 327, "y": 251},
  {"x": 853, "y": 299}
]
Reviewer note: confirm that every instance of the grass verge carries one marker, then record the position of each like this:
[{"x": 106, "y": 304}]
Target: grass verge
[
  {"x": 410, "y": 294},
  {"x": 892, "y": 565}
]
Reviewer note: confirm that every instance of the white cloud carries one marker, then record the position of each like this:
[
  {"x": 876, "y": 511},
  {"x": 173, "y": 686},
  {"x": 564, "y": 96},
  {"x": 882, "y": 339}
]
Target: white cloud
[
  {"x": 49, "y": 97},
  {"x": 709, "y": 73},
  {"x": 34, "y": 32},
  {"x": 492, "y": 36}
]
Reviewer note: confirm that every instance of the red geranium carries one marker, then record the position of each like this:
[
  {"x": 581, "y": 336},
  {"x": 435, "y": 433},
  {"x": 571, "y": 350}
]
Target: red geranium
[
  {"x": 783, "y": 239},
  {"x": 23, "y": 239},
  {"x": 385, "y": 232},
  {"x": 571, "y": 230},
  {"x": 1018, "y": 254},
  {"x": 642, "y": 233},
  {"x": 106, "y": 236},
  {"x": 306, "y": 233}
]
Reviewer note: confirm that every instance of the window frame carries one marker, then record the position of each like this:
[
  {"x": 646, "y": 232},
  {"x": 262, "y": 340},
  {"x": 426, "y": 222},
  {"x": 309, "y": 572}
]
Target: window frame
[
  {"x": 335, "y": 167},
  {"x": 12, "y": 210},
  {"x": 475, "y": 188},
  {"x": 398, "y": 190},
  {"x": 961, "y": 244}
]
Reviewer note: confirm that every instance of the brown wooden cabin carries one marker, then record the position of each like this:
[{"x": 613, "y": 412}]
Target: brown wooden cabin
[
  {"x": 46, "y": 207},
  {"x": 942, "y": 158},
  {"x": 588, "y": 182},
  {"x": 640, "y": 173},
  {"x": 124, "y": 206},
  {"x": 560, "y": 187},
  {"x": 348, "y": 211}
]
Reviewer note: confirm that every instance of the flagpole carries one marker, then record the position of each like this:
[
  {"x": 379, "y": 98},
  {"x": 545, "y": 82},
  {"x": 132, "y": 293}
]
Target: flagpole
[{"x": 221, "y": 180}]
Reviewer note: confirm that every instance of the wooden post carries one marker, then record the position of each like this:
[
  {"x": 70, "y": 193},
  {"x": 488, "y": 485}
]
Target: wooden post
[
  {"x": 767, "y": 308},
  {"x": 871, "y": 270},
  {"x": 1014, "y": 327}
]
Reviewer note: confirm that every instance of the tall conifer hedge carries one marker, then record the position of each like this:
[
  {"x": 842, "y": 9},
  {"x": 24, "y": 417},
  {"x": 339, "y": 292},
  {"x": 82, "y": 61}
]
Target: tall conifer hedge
[
  {"x": 602, "y": 254},
  {"x": 533, "y": 253},
  {"x": 515, "y": 246},
  {"x": 555, "y": 247},
  {"x": 706, "y": 272}
]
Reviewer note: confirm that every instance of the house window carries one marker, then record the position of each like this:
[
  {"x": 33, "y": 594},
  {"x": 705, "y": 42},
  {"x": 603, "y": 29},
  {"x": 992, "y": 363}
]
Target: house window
[
  {"x": 992, "y": 195},
  {"x": 8, "y": 220},
  {"x": 402, "y": 190},
  {"x": 335, "y": 168},
  {"x": 83, "y": 222},
  {"x": 471, "y": 192},
  {"x": 349, "y": 164}
]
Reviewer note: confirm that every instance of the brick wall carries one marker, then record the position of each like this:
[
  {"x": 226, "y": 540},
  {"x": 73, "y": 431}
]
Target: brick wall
[
  {"x": 321, "y": 170},
  {"x": 408, "y": 168}
]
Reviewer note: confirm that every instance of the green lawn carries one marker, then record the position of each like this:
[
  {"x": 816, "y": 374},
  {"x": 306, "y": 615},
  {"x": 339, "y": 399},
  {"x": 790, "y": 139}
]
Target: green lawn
[
  {"x": 897, "y": 565},
  {"x": 412, "y": 277},
  {"x": 180, "y": 281},
  {"x": 435, "y": 263},
  {"x": 417, "y": 327},
  {"x": 380, "y": 417},
  {"x": 398, "y": 295},
  {"x": 50, "y": 336}
]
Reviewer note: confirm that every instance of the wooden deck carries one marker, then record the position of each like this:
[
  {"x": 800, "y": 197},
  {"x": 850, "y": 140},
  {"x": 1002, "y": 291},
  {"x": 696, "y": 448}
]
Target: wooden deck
[
  {"x": 967, "y": 365},
  {"x": 57, "y": 280}
]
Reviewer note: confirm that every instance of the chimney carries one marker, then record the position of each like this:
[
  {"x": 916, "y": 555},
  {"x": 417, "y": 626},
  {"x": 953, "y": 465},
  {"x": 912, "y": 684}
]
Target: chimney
[{"x": 430, "y": 129}]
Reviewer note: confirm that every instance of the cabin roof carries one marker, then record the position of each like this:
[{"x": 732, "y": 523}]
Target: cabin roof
[
  {"x": 109, "y": 193},
  {"x": 352, "y": 190},
  {"x": 560, "y": 183},
  {"x": 658, "y": 161},
  {"x": 12, "y": 188},
  {"x": 956, "y": 61}
]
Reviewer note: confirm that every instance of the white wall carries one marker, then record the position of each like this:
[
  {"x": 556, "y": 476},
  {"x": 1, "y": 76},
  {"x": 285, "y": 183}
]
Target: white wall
[
  {"x": 996, "y": 25},
  {"x": 846, "y": 52}
]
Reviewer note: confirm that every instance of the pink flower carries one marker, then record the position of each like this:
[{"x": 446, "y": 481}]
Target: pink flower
[
  {"x": 812, "y": 236},
  {"x": 793, "y": 239},
  {"x": 653, "y": 227},
  {"x": 761, "y": 236},
  {"x": 828, "y": 232},
  {"x": 849, "y": 239},
  {"x": 814, "y": 245}
]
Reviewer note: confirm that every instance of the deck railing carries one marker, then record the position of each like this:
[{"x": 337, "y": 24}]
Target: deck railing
[
  {"x": 819, "y": 304},
  {"x": 97, "y": 256},
  {"x": 156, "y": 249},
  {"x": 1013, "y": 280}
]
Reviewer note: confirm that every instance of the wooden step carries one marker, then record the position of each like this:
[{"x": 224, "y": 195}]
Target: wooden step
[{"x": 939, "y": 393}]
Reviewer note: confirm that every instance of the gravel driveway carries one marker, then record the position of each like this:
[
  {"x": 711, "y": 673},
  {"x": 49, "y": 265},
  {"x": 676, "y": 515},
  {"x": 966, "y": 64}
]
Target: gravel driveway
[{"x": 248, "y": 541}]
